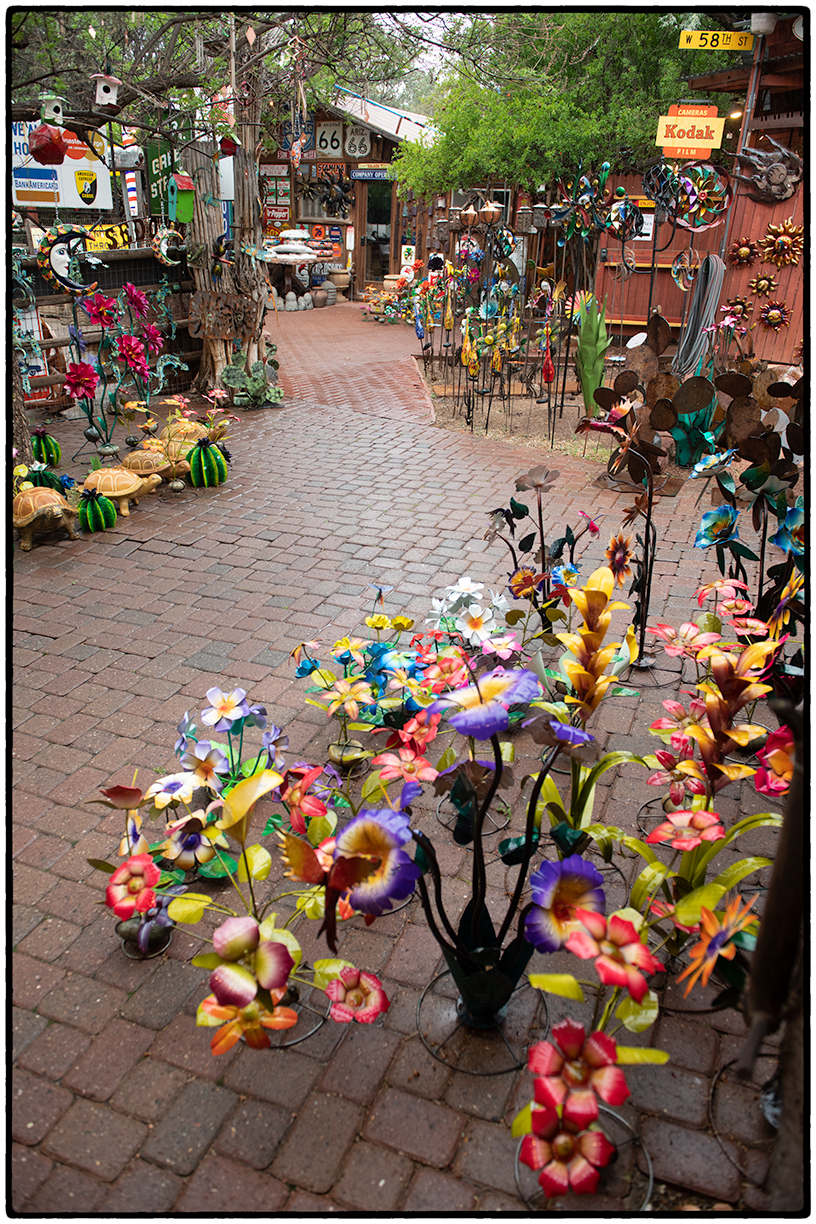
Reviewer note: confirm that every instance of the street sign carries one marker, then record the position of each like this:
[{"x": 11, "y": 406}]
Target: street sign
[
  {"x": 690, "y": 131},
  {"x": 715, "y": 40}
]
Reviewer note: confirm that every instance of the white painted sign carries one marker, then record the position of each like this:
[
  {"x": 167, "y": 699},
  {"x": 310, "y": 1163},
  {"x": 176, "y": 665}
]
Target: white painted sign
[
  {"x": 329, "y": 139},
  {"x": 82, "y": 181},
  {"x": 358, "y": 141}
]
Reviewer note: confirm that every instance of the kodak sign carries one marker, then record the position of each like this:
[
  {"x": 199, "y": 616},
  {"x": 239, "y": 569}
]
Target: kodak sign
[{"x": 690, "y": 131}]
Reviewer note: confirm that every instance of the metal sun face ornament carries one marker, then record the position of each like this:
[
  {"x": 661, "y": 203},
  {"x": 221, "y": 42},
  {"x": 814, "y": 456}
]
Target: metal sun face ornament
[
  {"x": 740, "y": 307},
  {"x": 743, "y": 253},
  {"x": 775, "y": 315},
  {"x": 763, "y": 285},
  {"x": 783, "y": 244},
  {"x": 59, "y": 245}
]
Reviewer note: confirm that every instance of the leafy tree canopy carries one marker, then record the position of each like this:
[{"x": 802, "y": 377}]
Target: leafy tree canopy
[{"x": 533, "y": 93}]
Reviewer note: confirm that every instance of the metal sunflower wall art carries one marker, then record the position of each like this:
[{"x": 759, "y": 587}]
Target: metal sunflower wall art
[
  {"x": 775, "y": 315},
  {"x": 763, "y": 284},
  {"x": 739, "y": 306},
  {"x": 743, "y": 252},
  {"x": 783, "y": 244}
]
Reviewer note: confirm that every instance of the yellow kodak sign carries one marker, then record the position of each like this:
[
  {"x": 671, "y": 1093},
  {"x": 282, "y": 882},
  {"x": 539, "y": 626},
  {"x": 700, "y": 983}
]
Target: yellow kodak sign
[
  {"x": 715, "y": 40},
  {"x": 683, "y": 131}
]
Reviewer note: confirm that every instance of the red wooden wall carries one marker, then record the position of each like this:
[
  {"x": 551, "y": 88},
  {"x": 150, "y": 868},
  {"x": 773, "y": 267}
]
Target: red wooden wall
[{"x": 629, "y": 300}]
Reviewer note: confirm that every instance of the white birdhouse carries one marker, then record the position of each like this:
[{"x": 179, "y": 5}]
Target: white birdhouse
[
  {"x": 51, "y": 108},
  {"x": 107, "y": 87}
]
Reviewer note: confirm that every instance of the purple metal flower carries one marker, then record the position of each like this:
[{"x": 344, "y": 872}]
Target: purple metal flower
[
  {"x": 256, "y": 717},
  {"x": 274, "y": 741},
  {"x": 157, "y": 914},
  {"x": 186, "y": 730},
  {"x": 482, "y": 707},
  {"x": 380, "y": 832},
  {"x": 558, "y": 890},
  {"x": 206, "y": 761},
  {"x": 224, "y": 710},
  {"x": 571, "y": 735}
]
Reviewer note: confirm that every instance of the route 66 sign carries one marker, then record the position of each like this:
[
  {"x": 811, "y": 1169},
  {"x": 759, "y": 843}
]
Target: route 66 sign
[{"x": 358, "y": 141}]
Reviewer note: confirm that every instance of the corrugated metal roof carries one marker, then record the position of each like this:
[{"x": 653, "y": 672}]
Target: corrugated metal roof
[{"x": 387, "y": 120}]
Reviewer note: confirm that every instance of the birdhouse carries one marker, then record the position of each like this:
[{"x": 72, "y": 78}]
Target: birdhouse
[
  {"x": 107, "y": 89},
  {"x": 51, "y": 108},
  {"x": 228, "y": 146},
  {"x": 47, "y": 145},
  {"x": 180, "y": 197}
]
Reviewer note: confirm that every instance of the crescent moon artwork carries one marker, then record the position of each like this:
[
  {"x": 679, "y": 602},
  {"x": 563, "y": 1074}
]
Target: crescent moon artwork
[
  {"x": 58, "y": 246},
  {"x": 160, "y": 243}
]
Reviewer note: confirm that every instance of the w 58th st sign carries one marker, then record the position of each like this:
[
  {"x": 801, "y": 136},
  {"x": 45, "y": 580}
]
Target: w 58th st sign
[{"x": 690, "y": 131}]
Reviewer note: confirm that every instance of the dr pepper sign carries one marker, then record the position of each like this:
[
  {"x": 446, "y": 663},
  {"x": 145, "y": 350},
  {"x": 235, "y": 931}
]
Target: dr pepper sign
[{"x": 689, "y": 131}]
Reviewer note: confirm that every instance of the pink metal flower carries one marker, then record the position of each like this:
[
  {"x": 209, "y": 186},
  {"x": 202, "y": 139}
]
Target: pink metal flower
[
  {"x": 137, "y": 301},
  {"x": 776, "y": 764},
  {"x": 687, "y": 830},
  {"x": 677, "y": 781},
  {"x": 576, "y": 1071},
  {"x": 131, "y": 886},
  {"x": 686, "y": 640},
  {"x": 725, "y": 588},
  {"x": 678, "y": 722},
  {"x": 152, "y": 337},
  {"x": 81, "y": 380},
  {"x": 407, "y": 765},
  {"x": 664, "y": 910},
  {"x": 131, "y": 351},
  {"x": 504, "y": 645},
  {"x": 100, "y": 309},
  {"x": 592, "y": 526},
  {"x": 356, "y": 996},
  {"x": 568, "y": 1157},
  {"x": 617, "y": 950}
]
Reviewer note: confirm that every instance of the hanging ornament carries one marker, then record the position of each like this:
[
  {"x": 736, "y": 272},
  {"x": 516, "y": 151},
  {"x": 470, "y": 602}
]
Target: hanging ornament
[
  {"x": 51, "y": 109},
  {"x": 47, "y": 145},
  {"x": 58, "y": 246},
  {"x": 547, "y": 367},
  {"x": 782, "y": 244},
  {"x": 763, "y": 284},
  {"x": 107, "y": 89},
  {"x": 743, "y": 253},
  {"x": 774, "y": 315},
  {"x": 705, "y": 196},
  {"x": 685, "y": 268},
  {"x": 740, "y": 307},
  {"x": 161, "y": 240}
]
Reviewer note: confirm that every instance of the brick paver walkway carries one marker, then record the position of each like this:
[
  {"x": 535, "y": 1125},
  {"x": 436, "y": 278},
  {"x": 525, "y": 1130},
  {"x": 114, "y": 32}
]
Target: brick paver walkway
[{"x": 117, "y": 1103}]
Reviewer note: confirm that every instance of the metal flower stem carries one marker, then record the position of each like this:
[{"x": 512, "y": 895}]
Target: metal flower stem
[
  {"x": 763, "y": 542},
  {"x": 649, "y": 541},
  {"x": 458, "y": 947},
  {"x": 479, "y": 873},
  {"x": 528, "y": 842}
]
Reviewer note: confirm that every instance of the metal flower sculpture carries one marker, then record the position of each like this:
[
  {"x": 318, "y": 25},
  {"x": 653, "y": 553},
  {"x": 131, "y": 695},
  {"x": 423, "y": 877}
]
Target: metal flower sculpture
[
  {"x": 775, "y": 315},
  {"x": 783, "y": 244},
  {"x": 763, "y": 284},
  {"x": 743, "y": 252},
  {"x": 705, "y": 196}
]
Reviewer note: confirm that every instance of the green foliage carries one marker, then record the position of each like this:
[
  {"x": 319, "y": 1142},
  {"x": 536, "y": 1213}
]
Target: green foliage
[{"x": 589, "y": 356}]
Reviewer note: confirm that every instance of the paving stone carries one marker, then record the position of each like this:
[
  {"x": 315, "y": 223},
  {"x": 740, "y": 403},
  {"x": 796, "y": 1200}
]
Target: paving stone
[
  {"x": 66, "y": 1192},
  {"x": 487, "y": 1157},
  {"x": 36, "y": 1106},
  {"x": 415, "y": 956},
  {"x": 24, "y": 918},
  {"x": 147, "y": 1089},
  {"x": 690, "y": 1159},
  {"x": 738, "y": 1111},
  {"x": 284, "y": 1077},
  {"x": 359, "y": 1064},
  {"x": 435, "y": 1193},
  {"x": 73, "y": 902},
  {"x": 414, "y": 1127},
  {"x": 188, "y": 1127},
  {"x": 26, "y": 1027},
  {"x": 415, "y": 1070},
  {"x": 49, "y": 940},
  {"x": 373, "y": 1178},
  {"x": 485, "y": 1096},
  {"x": 160, "y": 998},
  {"x": 98, "y": 1072},
  {"x": 95, "y": 1139},
  {"x": 142, "y": 1187},
  {"x": 224, "y": 1187},
  {"x": 80, "y": 1001},
  {"x": 689, "y": 1043},
  {"x": 674, "y": 1093},
  {"x": 32, "y": 980},
  {"x": 492, "y": 1203},
  {"x": 30, "y": 885},
  {"x": 253, "y": 1133},
  {"x": 301, "y": 1203},
  {"x": 183, "y": 1044},
  {"x": 313, "y": 1152},
  {"x": 55, "y": 1050},
  {"x": 27, "y": 1172}
]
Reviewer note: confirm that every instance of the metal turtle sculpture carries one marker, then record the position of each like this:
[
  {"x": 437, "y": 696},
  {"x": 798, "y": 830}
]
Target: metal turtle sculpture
[
  {"x": 37, "y": 511},
  {"x": 121, "y": 486}
]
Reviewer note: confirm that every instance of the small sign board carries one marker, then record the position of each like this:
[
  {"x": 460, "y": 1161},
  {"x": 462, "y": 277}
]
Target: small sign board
[
  {"x": 329, "y": 139},
  {"x": 108, "y": 238},
  {"x": 715, "y": 40},
  {"x": 159, "y": 160},
  {"x": 358, "y": 141},
  {"x": 690, "y": 131},
  {"x": 288, "y": 135},
  {"x": 370, "y": 170}
]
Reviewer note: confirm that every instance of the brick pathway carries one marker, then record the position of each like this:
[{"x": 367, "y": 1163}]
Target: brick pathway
[{"x": 117, "y": 1103}]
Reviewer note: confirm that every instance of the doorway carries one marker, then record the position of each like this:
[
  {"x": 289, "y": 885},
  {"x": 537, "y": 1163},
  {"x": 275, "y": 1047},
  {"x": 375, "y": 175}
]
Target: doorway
[{"x": 378, "y": 230}]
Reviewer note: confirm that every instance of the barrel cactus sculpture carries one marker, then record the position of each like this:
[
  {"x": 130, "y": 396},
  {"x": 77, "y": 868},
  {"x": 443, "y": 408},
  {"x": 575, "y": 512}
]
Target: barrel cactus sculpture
[
  {"x": 41, "y": 477},
  {"x": 208, "y": 467},
  {"x": 46, "y": 449},
  {"x": 96, "y": 512}
]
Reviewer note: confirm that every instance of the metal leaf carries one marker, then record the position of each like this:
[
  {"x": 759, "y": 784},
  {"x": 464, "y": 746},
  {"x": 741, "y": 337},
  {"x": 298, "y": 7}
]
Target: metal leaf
[
  {"x": 626, "y": 381},
  {"x": 644, "y": 362},
  {"x": 658, "y": 334},
  {"x": 693, "y": 396},
  {"x": 662, "y": 386},
  {"x": 734, "y": 384},
  {"x": 606, "y": 397},
  {"x": 663, "y": 415}
]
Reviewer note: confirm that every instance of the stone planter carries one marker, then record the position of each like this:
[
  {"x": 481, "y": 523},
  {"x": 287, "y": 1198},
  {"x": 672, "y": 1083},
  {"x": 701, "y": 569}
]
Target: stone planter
[{"x": 341, "y": 281}]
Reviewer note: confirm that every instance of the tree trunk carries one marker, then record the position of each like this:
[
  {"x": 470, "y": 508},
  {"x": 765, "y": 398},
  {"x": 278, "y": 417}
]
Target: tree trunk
[
  {"x": 249, "y": 272},
  {"x": 206, "y": 227},
  {"x": 20, "y": 432}
]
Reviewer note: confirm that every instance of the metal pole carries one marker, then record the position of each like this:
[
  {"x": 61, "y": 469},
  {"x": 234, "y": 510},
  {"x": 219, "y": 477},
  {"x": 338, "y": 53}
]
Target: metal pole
[{"x": 746, "y": 119}]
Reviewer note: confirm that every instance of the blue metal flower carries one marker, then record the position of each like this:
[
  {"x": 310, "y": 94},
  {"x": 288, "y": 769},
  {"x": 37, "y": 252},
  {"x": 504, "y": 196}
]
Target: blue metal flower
[{"x": 717, "y": 527}]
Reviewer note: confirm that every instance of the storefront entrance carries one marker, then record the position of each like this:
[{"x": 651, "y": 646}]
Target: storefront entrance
[{"x": 378, "y": 229}]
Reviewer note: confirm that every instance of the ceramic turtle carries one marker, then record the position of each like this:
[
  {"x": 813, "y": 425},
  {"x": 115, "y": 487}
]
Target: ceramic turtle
[
  {"x": 183, "y": 431},
  {"x": 36, "y": 511},
  {"x": 145, "y": 462},
  {"x": 122, "y": 486}
]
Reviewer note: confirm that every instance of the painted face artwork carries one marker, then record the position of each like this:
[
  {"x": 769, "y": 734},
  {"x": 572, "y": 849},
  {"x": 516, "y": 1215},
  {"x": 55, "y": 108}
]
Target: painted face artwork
[{"x": 58, "y": 247}]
